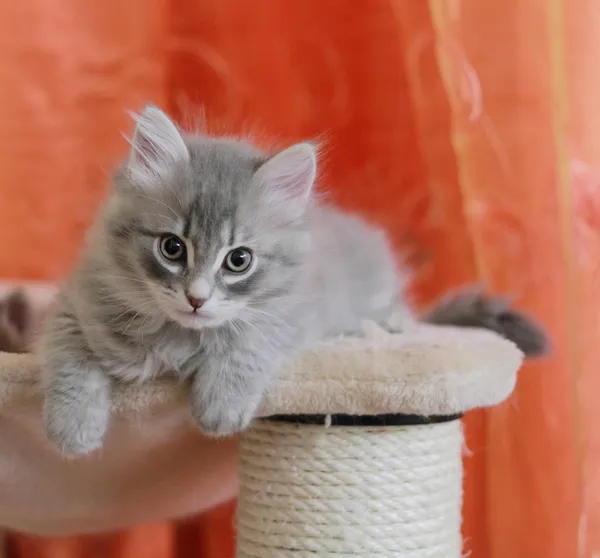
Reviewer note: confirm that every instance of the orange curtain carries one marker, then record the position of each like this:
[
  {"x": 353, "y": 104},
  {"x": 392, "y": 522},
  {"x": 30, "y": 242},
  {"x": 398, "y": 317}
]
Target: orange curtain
[{"x": 467, "y": 128}]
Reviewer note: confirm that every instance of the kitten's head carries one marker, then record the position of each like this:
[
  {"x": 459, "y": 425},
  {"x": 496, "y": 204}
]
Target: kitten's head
[{"x": 207, "y": 230}]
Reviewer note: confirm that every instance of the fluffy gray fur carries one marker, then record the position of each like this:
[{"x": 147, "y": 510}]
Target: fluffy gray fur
[
  {"x": 473, "y": 309},
  {"x": 124, "y": 316}
]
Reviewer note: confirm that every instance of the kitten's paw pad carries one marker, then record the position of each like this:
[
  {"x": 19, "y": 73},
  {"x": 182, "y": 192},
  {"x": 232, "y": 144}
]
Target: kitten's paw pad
[{"x": 223, "y": 423}]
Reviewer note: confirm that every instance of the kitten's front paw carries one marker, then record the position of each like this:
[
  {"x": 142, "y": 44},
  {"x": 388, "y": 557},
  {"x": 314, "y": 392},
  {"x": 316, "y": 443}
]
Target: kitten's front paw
[
  {"x": 223, "y": 421},
  {"x": 74, "y": 440},
  {"x": 401, "y": 321},
  {"x": 74, "y": 427}
]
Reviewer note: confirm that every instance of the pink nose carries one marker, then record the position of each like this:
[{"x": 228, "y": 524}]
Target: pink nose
[{"x": 196, "y": 303}]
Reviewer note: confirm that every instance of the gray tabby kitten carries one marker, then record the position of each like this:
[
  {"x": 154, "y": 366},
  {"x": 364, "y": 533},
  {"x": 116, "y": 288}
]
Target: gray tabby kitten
[{"x": 213, "y": 261}]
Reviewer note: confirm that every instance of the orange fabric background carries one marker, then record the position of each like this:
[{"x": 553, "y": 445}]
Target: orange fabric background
[{"x": 468, "y": 128}]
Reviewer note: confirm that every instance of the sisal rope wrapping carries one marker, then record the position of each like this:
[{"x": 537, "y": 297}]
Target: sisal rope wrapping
[{"x": 311, "y": 491}]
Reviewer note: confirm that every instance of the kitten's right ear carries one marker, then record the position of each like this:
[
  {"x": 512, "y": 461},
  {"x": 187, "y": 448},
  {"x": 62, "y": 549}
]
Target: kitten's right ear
[
  {"x": 156, "y": 146},
  {"x": 289, "y": 177}
]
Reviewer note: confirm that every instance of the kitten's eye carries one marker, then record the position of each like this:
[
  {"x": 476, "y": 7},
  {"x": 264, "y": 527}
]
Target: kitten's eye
[
  {"x": 238, "y": 260},
  {"x": 172, "y": 247}
]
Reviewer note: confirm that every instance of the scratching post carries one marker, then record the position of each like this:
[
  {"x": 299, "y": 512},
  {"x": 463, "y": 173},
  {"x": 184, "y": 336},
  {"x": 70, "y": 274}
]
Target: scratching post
[
  {"x": 350, "y": 491},
  {"x": 360, "y": 451}
]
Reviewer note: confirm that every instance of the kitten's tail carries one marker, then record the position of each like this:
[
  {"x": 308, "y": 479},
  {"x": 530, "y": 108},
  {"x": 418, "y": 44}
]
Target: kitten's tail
[{"x": 473, "y": 309}]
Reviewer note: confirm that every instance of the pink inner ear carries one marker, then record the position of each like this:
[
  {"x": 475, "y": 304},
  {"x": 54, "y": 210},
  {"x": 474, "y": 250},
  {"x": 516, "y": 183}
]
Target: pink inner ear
[
  {"x": 144, "y": 150},
  {"x": 292, "y": 172},
  {"x": 156, "y": 145},
  {"x": 292, "y": 186},
  {"x": 301, "y": 182}
]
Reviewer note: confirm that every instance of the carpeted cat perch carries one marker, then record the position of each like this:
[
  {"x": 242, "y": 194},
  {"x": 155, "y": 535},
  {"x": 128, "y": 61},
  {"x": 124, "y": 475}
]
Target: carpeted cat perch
[
  {"x": 343, "y": 465},
  {"x": 346, "y": 465}
]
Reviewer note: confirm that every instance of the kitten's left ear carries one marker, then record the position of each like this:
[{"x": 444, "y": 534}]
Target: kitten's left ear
[
  {"x": 289, "y": 177},
  {"x": 156, "y": 146}
]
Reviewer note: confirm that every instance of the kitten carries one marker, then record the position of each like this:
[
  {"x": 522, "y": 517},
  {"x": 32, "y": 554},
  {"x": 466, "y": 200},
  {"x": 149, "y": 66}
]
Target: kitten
[
  {"x": 213, "y": 261},
  {"x": 16, "y": 323}
]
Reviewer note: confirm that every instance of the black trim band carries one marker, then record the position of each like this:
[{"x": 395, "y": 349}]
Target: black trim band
[{"x": 365, "y": 420}]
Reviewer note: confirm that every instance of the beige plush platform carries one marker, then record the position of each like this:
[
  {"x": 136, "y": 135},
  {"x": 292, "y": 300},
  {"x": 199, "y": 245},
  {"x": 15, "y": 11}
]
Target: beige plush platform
[
  {"x": 431, "y": 370},
  {"x": 153, "y": 450}
]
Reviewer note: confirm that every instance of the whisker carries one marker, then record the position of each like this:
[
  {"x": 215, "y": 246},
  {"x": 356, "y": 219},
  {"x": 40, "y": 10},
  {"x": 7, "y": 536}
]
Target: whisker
[
  {"x": 130, "y": 322},
  {"x": 140, "y": 332},
  {"x": 141, "y": 308}
]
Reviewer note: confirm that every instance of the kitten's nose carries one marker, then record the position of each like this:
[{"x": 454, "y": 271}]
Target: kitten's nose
[{"x": 195, "y": 303}]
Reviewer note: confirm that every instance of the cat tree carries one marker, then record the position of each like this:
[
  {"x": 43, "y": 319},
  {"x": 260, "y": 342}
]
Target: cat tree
[
  {"x": 343, "y": 466},
  {"x": 346, "y": 465}
]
